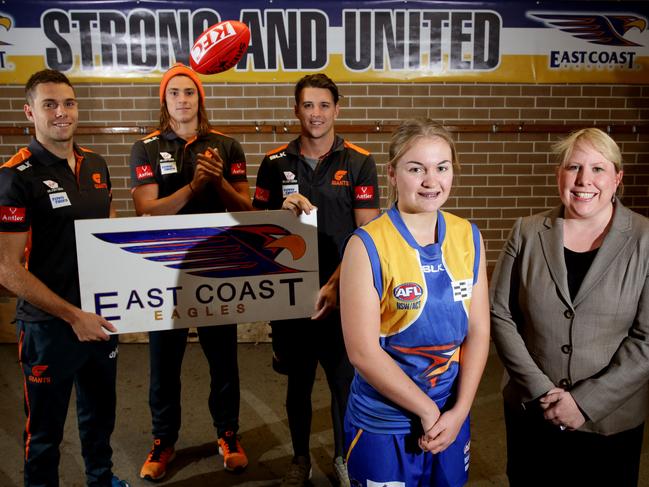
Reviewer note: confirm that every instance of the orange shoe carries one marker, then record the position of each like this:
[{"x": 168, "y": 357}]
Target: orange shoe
[
  {"x": 234, "y": 458},
  {"x": 155, "y": 466}
]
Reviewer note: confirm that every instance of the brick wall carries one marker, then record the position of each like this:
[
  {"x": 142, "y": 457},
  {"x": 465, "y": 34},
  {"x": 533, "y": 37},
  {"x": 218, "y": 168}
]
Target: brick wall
[{"x": 504, "y": 175}]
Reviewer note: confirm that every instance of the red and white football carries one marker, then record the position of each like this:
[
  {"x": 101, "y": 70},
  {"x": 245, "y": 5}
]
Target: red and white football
[{"x": 220, "y": 47}]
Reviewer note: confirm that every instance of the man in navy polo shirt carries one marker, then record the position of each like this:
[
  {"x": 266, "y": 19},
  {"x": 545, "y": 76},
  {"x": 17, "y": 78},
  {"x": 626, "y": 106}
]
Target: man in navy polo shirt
[
  {"x": 318, "y": 169},
  {"x": 44, "y": 188}
]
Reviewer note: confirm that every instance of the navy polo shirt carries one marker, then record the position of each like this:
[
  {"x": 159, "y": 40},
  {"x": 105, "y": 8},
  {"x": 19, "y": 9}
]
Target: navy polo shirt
[
  {"x": 40, "y": 194},
  {"x": 169, "y": 161},
  {"x": 343, "y": 180}
]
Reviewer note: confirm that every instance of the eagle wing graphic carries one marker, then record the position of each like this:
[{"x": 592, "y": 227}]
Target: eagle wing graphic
[
  {"x": 218, "y": 252},
  {"x": 6, "y": 23},
  {"x": 608, "y": 30}
]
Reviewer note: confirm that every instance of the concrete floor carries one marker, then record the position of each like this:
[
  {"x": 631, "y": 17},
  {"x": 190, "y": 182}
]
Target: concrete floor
[{"x": 264, "y": 429}]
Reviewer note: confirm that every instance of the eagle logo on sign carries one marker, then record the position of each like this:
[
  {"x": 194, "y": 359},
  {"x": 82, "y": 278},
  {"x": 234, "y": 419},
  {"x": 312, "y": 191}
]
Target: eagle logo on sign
[
  {"x": 215, "y": 252},
  {"x": 5, "y": 22},
  {"x": 607, "y": 30}
]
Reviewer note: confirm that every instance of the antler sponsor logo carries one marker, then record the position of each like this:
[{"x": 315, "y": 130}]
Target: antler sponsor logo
[
  {"x": 12, "y": 214},
  {"x": 363, "y": 193},
  {"x": 143, "y": 172},
  {"x": 262, "y": 194},
  {"x": 238, "y": 169}
]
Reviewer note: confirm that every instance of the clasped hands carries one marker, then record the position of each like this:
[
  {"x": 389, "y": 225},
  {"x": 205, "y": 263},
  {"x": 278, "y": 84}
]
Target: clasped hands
[
  {"x": 440, "y": 430},
  {"x": 560, "y": 409},
  {"x": 209, "y": 167}
]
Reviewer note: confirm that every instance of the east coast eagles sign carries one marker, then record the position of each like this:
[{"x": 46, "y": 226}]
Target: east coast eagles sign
[{"x": 156, "y": 273}]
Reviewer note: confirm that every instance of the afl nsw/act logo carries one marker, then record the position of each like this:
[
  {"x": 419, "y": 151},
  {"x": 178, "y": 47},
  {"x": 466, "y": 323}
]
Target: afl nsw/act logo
[{"x": 408, "y": 295}]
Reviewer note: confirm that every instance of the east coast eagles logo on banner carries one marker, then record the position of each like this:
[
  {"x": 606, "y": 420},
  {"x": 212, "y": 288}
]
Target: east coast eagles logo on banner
[{"x": 156, "y": 273}]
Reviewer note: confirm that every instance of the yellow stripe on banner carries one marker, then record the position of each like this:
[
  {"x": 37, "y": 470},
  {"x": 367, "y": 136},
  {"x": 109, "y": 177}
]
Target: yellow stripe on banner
[
  {"x": 353, "y": 444},
  {"x": 512, "y": 69}
]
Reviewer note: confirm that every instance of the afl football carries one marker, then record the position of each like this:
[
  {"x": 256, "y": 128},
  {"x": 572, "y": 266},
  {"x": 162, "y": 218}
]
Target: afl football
[{"x": 220, "y": 47}]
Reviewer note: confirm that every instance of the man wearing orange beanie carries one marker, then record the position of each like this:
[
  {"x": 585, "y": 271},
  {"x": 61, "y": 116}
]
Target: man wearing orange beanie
[{"x": 185, "y": 167}]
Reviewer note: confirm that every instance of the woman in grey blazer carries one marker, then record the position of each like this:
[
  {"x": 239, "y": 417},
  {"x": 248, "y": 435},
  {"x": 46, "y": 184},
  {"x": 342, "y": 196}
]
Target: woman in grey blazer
[{"x": 570, "y": 320}]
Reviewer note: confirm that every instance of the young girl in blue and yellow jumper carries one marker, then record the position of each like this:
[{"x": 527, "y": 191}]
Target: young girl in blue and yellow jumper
[{"x": 415, "y": 316}]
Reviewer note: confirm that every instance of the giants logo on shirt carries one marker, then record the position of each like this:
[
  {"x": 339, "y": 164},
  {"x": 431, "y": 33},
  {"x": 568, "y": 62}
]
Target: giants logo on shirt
[
  {"x": 262, "y": 194},
  {"x": 96, "y": 178},
  {"x": 143, "y": 172},
  {"x": 338, "y": 178},
  {"x": 238, "y": 169},
  {"x": 363, "y": 193},
  {"x": 12, "y": 214}
]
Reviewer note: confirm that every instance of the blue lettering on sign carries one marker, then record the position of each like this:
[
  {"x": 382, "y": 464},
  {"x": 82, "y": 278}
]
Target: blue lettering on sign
[{"x": 563, "y": 59}]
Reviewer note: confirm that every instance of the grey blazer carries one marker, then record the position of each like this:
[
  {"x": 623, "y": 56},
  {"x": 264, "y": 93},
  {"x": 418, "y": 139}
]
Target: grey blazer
[{"x": 597, "y": 346}]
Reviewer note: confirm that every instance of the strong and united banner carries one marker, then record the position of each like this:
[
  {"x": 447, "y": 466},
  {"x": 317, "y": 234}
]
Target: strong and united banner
[
  {"x": 181, "y": 271},
  {"x": 371, "y": 41}
]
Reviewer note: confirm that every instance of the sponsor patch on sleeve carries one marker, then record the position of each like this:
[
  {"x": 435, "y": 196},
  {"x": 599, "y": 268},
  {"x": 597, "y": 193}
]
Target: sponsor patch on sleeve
[
  {"x": 363, "y": 193},
  {"x": 143, "y": 172},
  {"x": 12, "y": 214},
  {"x": 262, "y": 194},
  {"x": 238, "y": 169}
]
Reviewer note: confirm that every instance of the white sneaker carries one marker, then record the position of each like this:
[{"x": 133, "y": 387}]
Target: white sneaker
[{"x": 340, "y": 469}]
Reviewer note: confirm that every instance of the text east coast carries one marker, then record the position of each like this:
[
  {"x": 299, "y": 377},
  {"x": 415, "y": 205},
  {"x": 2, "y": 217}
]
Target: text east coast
[{"x": 202, "y": 301}]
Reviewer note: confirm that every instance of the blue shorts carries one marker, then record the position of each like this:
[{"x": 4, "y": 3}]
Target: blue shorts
[{"x": 386, "y": 460}]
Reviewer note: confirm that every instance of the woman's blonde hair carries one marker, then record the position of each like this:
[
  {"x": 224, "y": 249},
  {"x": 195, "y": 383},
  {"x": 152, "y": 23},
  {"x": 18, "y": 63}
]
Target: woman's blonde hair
[
  {"x": 599, "y": 140},
  {"x": 407, "y": 134}
]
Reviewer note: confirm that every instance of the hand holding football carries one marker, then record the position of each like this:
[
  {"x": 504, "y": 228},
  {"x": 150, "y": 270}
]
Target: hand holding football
[{"x": 220, "y": 47}]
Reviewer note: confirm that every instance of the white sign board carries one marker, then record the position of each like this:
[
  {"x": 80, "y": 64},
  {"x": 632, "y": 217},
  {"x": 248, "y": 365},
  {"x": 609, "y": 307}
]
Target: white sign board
[{"x": 180, "y": 271}]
